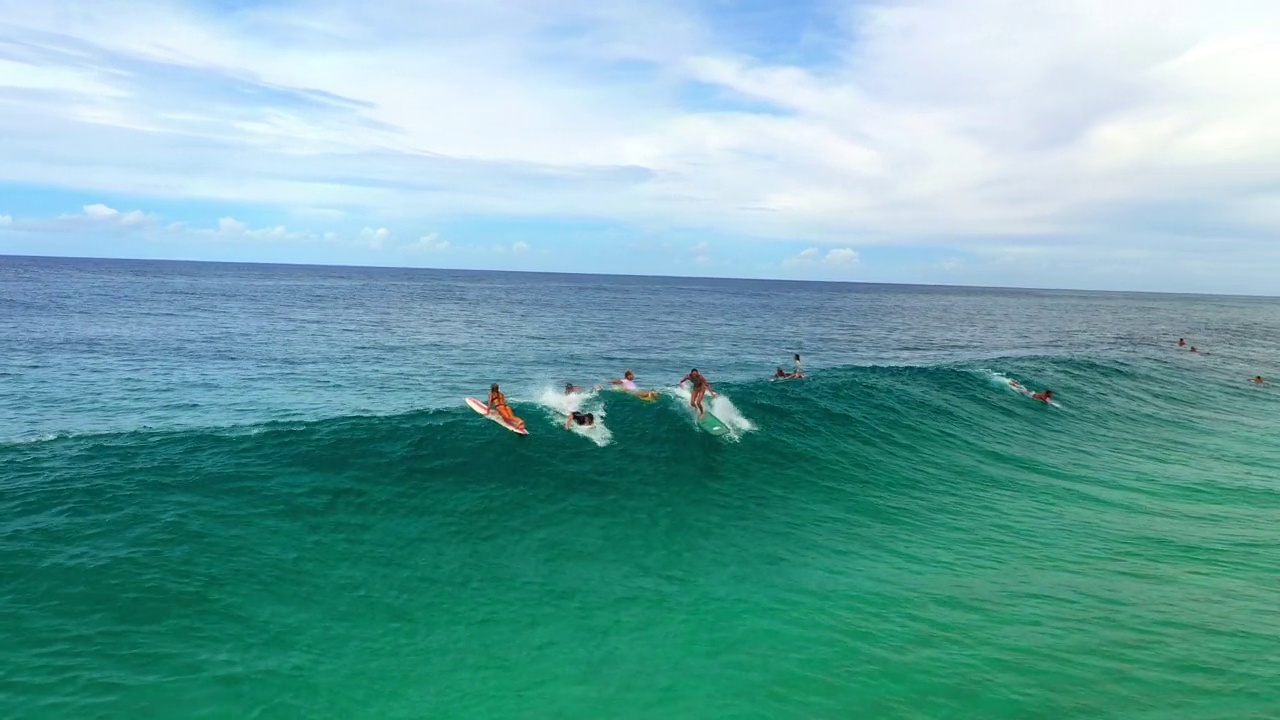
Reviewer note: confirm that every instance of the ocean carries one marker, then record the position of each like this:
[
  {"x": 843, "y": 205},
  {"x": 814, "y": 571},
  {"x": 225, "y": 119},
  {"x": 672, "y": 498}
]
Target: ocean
[{"x": 253, "y": 491}]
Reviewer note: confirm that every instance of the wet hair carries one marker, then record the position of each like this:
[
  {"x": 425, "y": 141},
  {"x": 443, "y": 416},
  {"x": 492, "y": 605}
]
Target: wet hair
[
  {"x": 797, "y": 356},
  {"x": 568, "y": 387},
  {"x": 693, "y": 371},
  {"x": 493, "y": 387}
]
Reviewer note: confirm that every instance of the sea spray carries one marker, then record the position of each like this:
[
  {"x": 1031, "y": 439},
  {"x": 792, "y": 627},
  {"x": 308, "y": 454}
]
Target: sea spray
[{"x": 558, "y": 405}]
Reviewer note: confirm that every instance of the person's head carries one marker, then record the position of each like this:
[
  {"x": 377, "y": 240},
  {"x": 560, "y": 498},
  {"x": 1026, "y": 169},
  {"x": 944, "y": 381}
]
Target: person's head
[
  {"x": 797, "y": 357},
  {"x": 568, "y": 388},
  {"x": 780, "y": 373},
  {"x": 1257, "y": 379},
  {"x": 1182, "y": 341},
  {"x": 629, "y": 375},
  {"x": 693, "y": 371},
  {"x": 493, "y": 388},
  {"x": 1048, "y": 394}
]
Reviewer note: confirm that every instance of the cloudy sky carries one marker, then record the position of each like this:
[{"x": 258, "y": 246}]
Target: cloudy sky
[{"x": 1123, "y": 144}]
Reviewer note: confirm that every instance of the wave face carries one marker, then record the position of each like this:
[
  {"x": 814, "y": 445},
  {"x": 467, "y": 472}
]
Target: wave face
[{"x": 905, "y": 538}]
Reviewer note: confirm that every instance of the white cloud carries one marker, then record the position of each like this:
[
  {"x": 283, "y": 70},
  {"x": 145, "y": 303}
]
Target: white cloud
[
  {"x": 375, "y": 238},
  {"x": 835, "y": 260},
  {"x": 520, "y": 246},
  {"x": 1079, "y": 122},
  {"x": 843, "y": 258},
  {"x": 100, "y": 212},
  {"x": 231, "y": 226},
  {"x": 429, "y": 243},
  {"x": 5, "y": 220}
]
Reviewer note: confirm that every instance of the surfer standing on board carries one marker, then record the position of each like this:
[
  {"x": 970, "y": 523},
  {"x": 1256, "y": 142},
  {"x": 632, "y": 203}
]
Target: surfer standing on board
[
  {"x": 700, "y": 387},
  {"x": 498, "y": 401}
]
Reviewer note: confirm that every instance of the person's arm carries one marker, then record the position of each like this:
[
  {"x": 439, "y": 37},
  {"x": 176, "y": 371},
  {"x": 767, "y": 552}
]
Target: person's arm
[
  {"x": 683, "y": 380},
  {"x": 568, "y": 421}
]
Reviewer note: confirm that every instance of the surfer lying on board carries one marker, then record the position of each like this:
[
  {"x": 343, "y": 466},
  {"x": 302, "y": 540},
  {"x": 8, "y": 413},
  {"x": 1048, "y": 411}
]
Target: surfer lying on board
[
  {"x": 498, "y": 401},
  {"x": 700, "y": 387},
  {"x": 628, "y": 383},
  {"x": 570, "y": 388},
  {"x": 1044, "y": 397},
  {"x": 1258, "y": 379},
  {"x": 583, "y": 419},
  {"x": 781, "y": 374}
]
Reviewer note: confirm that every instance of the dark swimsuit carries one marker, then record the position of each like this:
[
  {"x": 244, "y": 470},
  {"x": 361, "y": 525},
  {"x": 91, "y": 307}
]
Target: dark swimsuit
[{"x": 583, "y": 418}]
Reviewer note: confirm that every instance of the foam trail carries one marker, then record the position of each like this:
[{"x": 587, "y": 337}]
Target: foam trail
[
  {"x": 558, "y": 406},
  {"x": 720, "y": 406},
  {"x": 1007, "y": 383}
]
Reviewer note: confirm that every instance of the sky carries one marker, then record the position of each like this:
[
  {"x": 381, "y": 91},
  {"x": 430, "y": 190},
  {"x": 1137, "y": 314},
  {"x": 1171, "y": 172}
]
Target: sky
[{"x": 1127, "y": 144}]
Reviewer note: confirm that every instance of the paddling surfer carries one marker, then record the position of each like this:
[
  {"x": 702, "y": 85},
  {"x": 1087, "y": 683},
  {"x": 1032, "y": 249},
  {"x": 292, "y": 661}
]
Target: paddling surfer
[
  {"x": 498, "y": 401},
  {"x": 628, "y": 383}
]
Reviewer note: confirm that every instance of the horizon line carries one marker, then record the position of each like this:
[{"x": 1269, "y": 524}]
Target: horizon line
[{"x": 640, "y": 275}]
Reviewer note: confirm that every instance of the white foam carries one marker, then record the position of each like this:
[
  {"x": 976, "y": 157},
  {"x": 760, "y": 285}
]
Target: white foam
[
  {"x": 558, "y": 406},
  {"x": 720, "y": 406}
]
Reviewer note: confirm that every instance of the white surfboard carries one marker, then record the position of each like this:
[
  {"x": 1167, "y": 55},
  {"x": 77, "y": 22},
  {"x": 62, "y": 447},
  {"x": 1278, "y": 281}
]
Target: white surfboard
[{"x": 483, "y": 409}]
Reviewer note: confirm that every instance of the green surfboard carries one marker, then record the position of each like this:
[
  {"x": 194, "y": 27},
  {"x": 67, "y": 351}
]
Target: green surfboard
[{"x": 712, "y": 424}]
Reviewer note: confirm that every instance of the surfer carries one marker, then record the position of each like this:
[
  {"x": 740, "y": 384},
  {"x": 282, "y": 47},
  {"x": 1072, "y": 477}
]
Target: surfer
[
  {"x": 700, "y": 387},
  {"x": 582, "y": 419},
  {"x": 1258, "y": 379},
  {"x": 498, "y": 401},
  {"x": 798, "y": 372},
  {"x": 628, "y": 383},
  {"x": 570, "y": 388},
  {"x": 1045, "y": 396}
]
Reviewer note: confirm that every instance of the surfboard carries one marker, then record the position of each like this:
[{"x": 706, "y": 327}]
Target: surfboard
[
  {"x": 481, "y": 408},
  {"x": 645, "y": 395},
  {"x": 712, "y": 424}
]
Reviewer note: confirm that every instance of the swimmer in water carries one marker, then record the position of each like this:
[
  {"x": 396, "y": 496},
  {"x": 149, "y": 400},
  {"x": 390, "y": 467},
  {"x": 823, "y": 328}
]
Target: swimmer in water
[
  {"x": 1258, "y": 379},
  {"x": 570, "y": 388},
  {"x": 582, "y": 419},
  {"x": 1182, "y": 342},
  {"x": 498, "y": 401}
]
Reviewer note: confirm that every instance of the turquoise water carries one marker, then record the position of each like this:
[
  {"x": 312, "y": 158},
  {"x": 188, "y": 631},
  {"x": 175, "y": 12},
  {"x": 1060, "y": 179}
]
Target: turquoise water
[{"x": 254, "y": 492}]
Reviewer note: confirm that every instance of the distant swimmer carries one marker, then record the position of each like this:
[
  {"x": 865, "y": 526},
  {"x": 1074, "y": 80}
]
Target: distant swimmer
[
  {"x": 1182, "y": 342},
  {"x": 1045, "y": 396},
  {"x": 570, "y": 388},
  {"x": 628, "y": 383},
  {"x": 1195, "y": 350},
  {"x": 700, "y": 387},
  {"x": 498, "y": 401},
  {"x": 582, "y": 419},
  {"x": 798, "y": 371},
  {"x": 1258, "y": 379}
]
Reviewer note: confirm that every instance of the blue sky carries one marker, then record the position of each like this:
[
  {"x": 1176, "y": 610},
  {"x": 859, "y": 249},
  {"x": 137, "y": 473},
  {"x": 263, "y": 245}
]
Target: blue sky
[{"x": 1067, "y": 144}]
